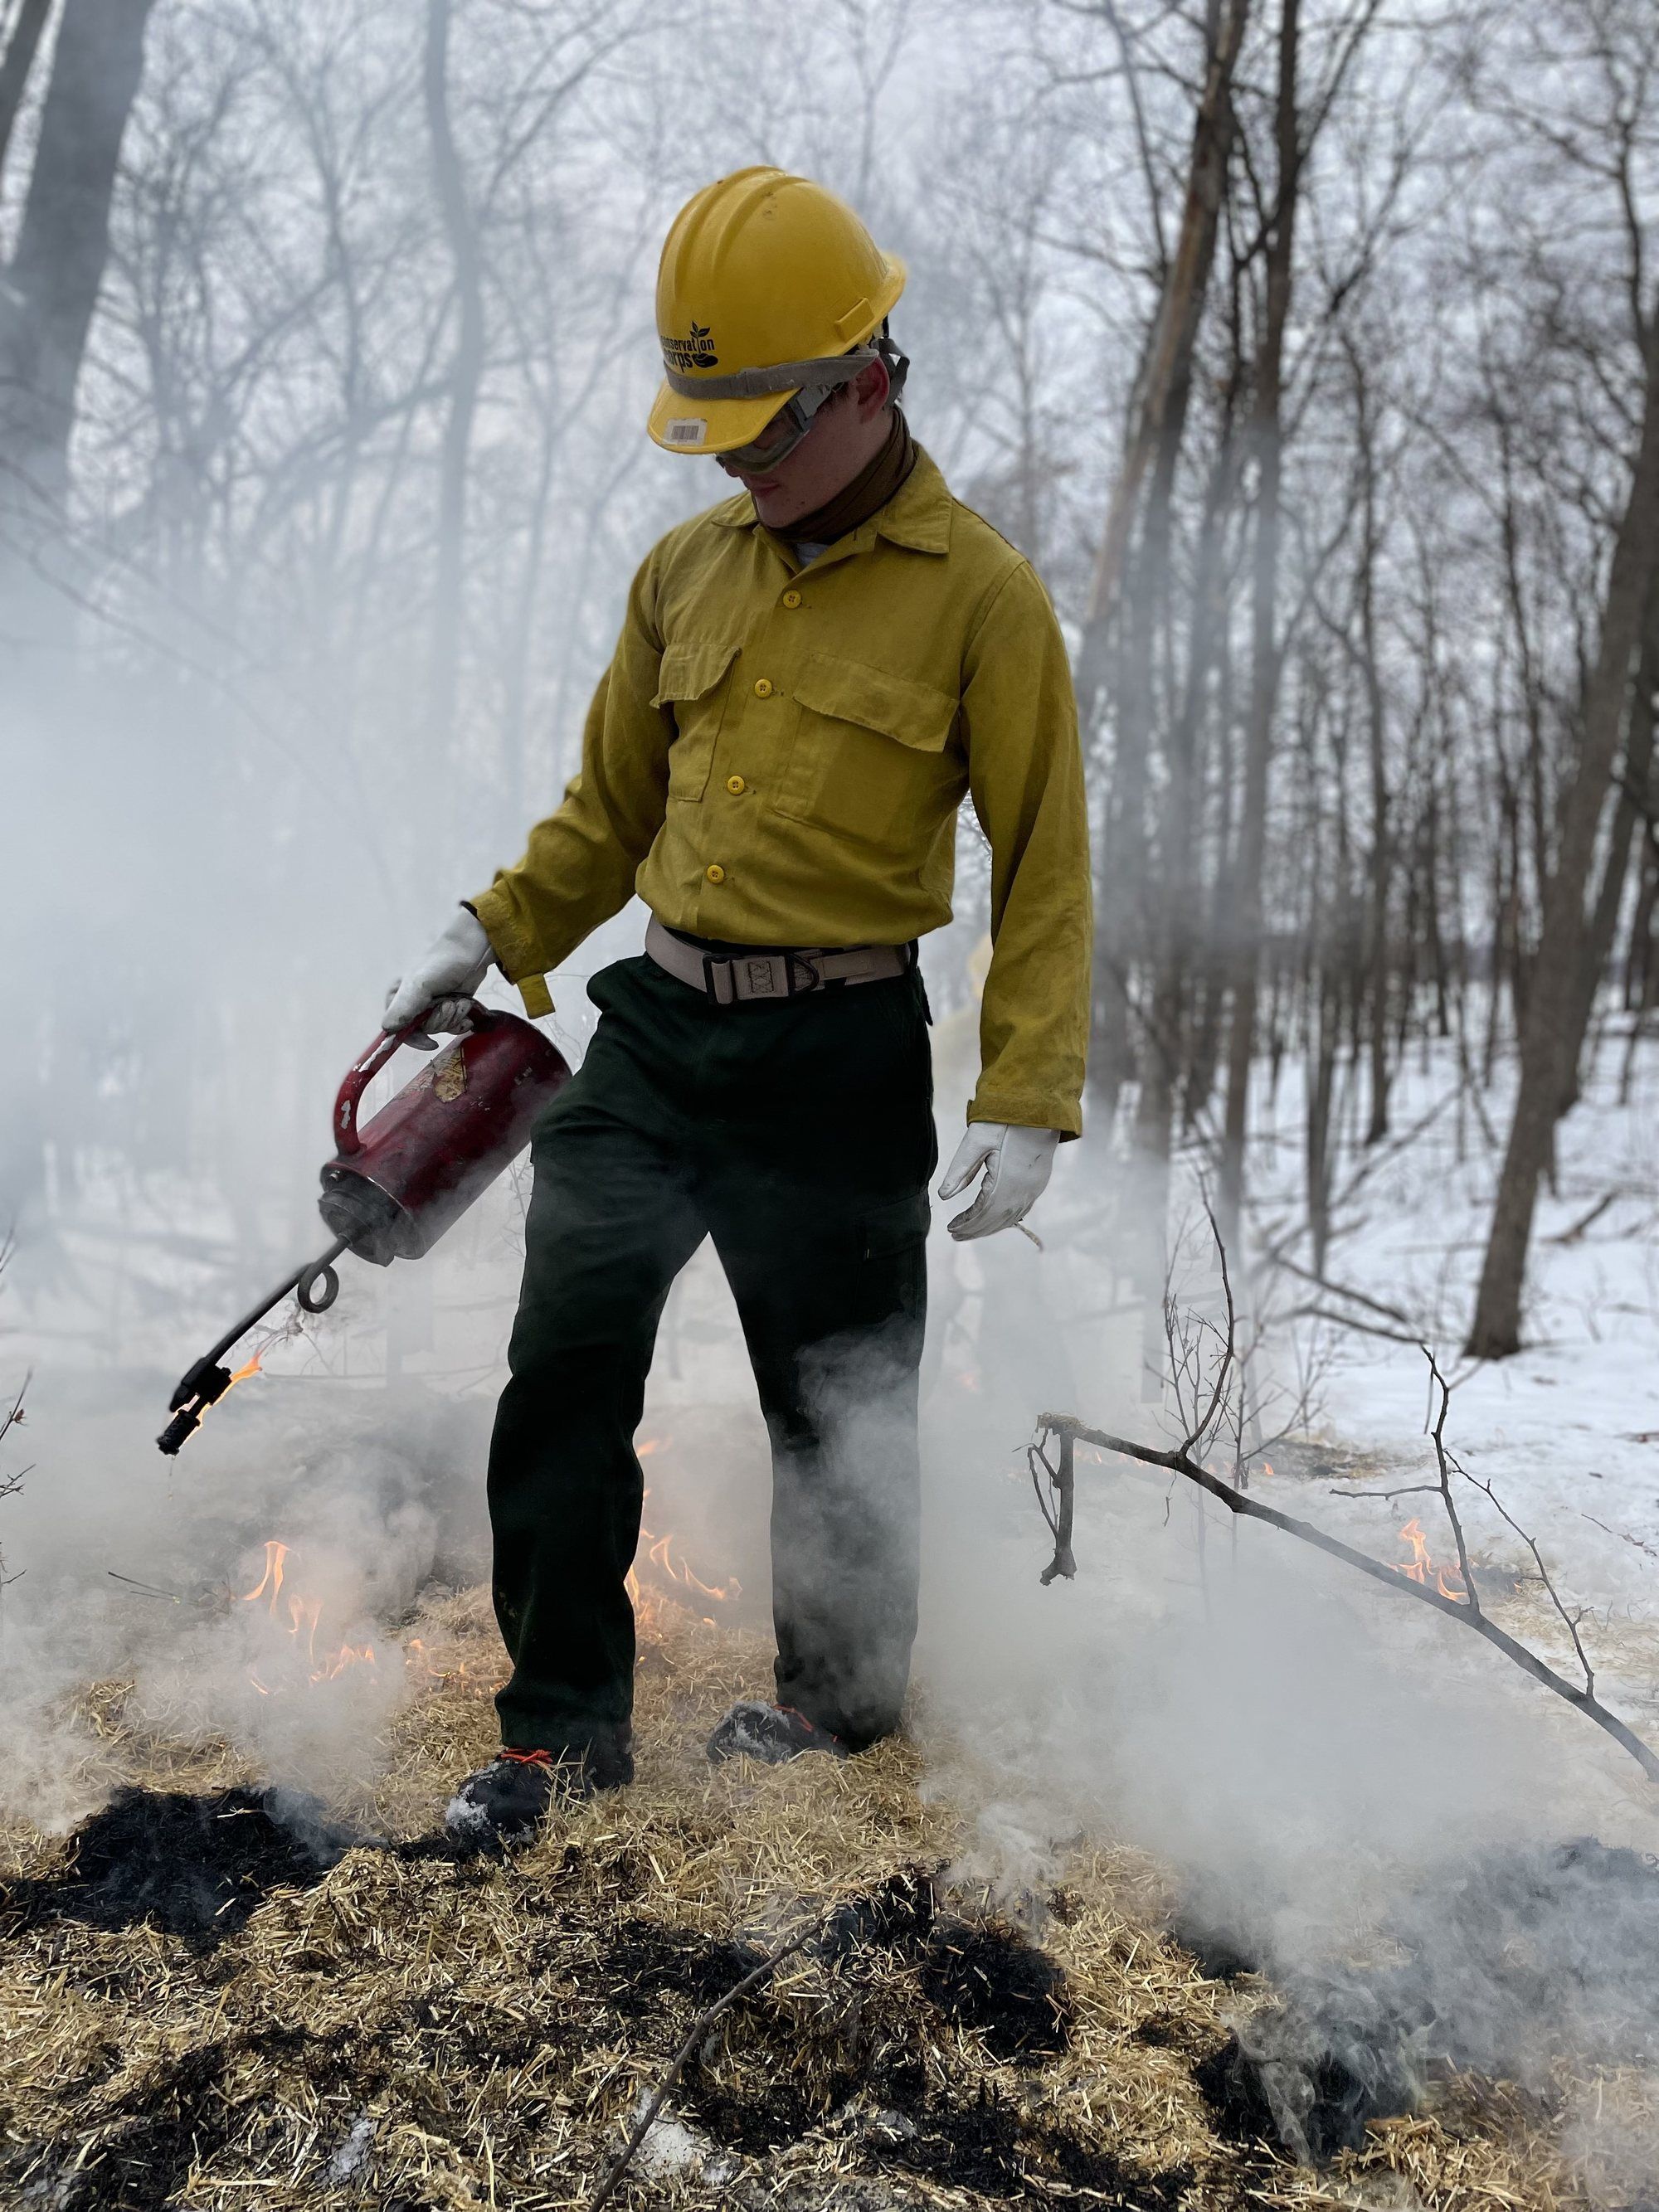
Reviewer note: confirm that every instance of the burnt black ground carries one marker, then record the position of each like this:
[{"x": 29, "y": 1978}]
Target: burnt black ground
[
  {"x": 989, "y": 1977},
  {"x": 1511, "y": 1960},
  {"x": 194, "y": 1867}
]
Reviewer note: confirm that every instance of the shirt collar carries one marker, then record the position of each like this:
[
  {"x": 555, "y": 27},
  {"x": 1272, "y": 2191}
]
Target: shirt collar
[{"x": 918, "y": 515}]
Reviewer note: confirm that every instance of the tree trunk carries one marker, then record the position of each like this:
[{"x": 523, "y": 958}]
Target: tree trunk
[
  {"x": 20, "y": 49},
  {"x": 1166, "y": 373},
  {"x": 51, "y": 287},
  {"x": 1554, "y": 1018},
  {"x": 1380, "y": 866},
  {"x": 1633, "y": 805},
  {"x": 1152, "y": 441},
  {"x": 466, "y": 376},
  {"x": 1267, "y": 438}
]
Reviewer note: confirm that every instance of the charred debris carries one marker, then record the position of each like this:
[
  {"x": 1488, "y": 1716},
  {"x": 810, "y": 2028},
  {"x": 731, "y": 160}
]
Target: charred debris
[{"x": 217, "y": 1985}]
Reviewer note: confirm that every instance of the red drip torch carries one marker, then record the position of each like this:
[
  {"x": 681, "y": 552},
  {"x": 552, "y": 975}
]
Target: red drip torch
[{"x": 394, "y": 1187}]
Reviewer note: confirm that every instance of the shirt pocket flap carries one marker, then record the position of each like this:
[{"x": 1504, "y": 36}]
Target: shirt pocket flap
[
  {"x": 889, "y": 1228},
  {"x": 688, "y": 670},
  {"x": 919, "y": 715}
]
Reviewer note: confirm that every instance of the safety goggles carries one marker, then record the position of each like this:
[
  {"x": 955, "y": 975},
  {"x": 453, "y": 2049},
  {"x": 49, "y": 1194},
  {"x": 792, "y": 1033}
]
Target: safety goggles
[
  {"x": 780, "y": 437},
  {"x": 812, "y": 383}
]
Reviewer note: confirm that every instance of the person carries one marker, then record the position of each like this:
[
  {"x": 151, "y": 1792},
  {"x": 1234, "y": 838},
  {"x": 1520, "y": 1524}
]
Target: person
[{"x": 811, "y": 677}]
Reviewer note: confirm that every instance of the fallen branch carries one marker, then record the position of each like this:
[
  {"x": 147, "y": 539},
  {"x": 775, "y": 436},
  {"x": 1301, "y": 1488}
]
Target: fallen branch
[
  {"x": 1464, "y": 1610},
  {"x": 700, "y": 2027}
]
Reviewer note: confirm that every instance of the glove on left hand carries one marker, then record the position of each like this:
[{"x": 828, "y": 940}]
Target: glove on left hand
[{"x": 1017, "y": 1162}]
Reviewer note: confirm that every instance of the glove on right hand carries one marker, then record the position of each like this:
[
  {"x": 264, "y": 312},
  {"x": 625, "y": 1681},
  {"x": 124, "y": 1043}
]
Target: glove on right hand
[{"x": 437, "y": 988}]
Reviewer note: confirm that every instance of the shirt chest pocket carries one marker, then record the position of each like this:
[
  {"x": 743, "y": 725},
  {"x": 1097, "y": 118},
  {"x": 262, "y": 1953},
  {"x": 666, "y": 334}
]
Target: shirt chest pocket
[
  {"x": 693, "y": 685},
  {"x": 869, "y": 757}
]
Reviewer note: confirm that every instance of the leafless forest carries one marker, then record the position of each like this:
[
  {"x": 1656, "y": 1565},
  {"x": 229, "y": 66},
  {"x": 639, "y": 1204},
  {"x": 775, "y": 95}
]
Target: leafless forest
[{"x": 1312, "y": 350}]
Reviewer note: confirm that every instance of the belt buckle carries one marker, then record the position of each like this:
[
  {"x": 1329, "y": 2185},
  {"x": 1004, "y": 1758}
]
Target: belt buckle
[
  {"x": 791, "y": 961},
  {"x": 729, "y": 996}
]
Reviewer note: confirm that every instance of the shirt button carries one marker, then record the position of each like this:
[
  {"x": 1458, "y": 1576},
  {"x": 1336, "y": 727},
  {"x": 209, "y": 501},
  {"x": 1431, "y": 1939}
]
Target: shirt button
[
  {"x": 762, "y": 689},
  {"x": 715, "y": 873},
  {"x": 734, "y": 784},
  {"x": 792, "y": 599}
]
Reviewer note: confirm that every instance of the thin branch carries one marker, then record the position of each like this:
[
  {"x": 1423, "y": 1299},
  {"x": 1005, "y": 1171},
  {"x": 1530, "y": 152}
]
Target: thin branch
[
  {"x": 1341, "y": 1291},
  {"x": 1624, "y": 1535},
  {"x": 1447, "y": 1466},
  {"x": 1584, "y": 1700},
  {"x": 1406, "y": 1490},
  {"x": 700, "y": 2027}
]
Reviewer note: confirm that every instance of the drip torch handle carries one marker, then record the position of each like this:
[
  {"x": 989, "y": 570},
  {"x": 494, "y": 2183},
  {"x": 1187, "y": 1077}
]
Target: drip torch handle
[{"x": 364, "y": 1071}]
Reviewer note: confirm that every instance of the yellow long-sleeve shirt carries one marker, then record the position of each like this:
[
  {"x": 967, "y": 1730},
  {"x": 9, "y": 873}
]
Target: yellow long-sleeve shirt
[{"x": 776, "y": 755}]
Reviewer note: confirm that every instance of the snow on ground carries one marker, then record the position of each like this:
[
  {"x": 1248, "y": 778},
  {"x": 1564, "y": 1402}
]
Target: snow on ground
[{"x": 1568, "y": 1431}]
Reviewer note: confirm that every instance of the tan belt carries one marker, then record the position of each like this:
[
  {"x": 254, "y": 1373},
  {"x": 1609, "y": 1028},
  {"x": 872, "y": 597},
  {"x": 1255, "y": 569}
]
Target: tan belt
[{"x": 791, "y": 974}]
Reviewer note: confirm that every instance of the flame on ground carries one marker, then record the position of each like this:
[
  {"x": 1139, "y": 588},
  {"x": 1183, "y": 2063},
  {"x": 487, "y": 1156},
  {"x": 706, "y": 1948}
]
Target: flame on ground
[
  {"x": 305, "y": 1616},
  {"x": 660, "y": 1552},
  {"x": 1421, "y": 1567}
]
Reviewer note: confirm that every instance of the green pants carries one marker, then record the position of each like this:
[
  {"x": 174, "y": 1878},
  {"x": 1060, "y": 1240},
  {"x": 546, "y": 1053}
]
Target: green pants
[{"x": 800, "y": 1136}]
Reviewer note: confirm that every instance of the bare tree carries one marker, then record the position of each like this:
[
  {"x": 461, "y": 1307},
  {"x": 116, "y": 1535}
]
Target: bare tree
[{"x": 52, "y": 284}]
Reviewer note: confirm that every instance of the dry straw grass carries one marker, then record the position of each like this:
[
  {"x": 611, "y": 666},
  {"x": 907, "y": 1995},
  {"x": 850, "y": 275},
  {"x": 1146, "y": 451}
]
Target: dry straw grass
[{"x": 417, "y": 2034}]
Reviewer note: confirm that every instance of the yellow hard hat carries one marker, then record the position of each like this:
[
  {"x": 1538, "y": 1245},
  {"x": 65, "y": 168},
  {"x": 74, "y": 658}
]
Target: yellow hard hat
[{"x": 768, "y": 283}]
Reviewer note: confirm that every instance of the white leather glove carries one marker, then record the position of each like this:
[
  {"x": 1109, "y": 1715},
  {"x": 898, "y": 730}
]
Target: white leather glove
[
  {"x": 439, "y": 985},
  {"x": 1017, "y": 1164}
]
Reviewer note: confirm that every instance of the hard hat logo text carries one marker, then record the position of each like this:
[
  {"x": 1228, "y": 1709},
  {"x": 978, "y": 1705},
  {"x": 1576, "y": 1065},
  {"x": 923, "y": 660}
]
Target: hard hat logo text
[{"x": 696, "y": 352}]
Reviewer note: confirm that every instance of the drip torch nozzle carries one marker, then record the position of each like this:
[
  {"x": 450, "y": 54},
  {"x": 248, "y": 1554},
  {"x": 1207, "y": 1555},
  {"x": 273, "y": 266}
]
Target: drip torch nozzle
[
  {"x": 316, "y": 1286},
  {"x": 204, "y": 1386}
]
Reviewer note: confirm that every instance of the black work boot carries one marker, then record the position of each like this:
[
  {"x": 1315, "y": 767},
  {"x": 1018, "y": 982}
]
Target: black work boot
[
  {"x": 771, "y": 1733},
  {"x": 507, "y": 1801}
]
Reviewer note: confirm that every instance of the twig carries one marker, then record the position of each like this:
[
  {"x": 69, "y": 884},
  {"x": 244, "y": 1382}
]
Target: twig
[
  {"x": 1571, "y": 1236},
  {"x": 1341, "y": 1291},
  {"x": 1178, "y": 1462},
  {"x": 1406, "y": 1490},
  {"x": 1447, "y": 1467},
  {"x": 700, "y": 2027},
  {"x": 12, "y": 1417},
  {"x": 1623, "y": 1535},
  {"x": 1348, "y": 1321},
  {"x": 1198, "y": 1434},
  {"x": 144, "y": 1589},
  {"x": 1060, "y": 1522}
]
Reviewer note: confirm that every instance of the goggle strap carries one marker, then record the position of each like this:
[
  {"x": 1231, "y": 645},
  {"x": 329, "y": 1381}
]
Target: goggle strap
[{"x": 822, "y": 374}]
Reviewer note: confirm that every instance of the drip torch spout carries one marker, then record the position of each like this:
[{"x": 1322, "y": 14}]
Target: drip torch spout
[{"x": 316, "y": 1286}]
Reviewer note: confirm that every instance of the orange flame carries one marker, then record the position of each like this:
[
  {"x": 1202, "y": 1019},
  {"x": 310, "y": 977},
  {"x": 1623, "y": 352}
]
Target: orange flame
[
  {"x": 659, "y": 1551},
  {"x": 1422, "y": 1565},
  {"x": 274, "y": 1555},
  {"x": 305, "y": 1616}
]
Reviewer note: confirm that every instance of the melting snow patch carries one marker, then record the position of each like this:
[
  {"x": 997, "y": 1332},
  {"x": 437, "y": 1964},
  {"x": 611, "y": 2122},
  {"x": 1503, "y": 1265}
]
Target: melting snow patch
[
  {"x": 352, "y": 2156},
  {"x": 672, "y": 2150}
]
